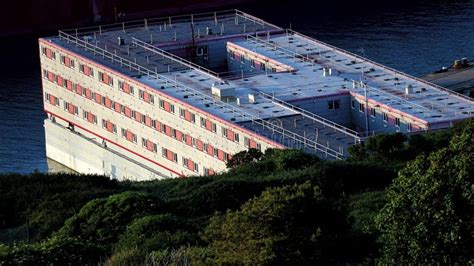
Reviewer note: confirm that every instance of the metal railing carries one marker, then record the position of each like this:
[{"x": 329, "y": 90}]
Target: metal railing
[
  {"x": 344, "y": 130},
  {"x": 292, "y": 32},
  {"x": 172, "y": 57},
  {"x": 296, "y": 56},
  {"x": 167, "y": 22},
  {"x": 298, "y": 140}
]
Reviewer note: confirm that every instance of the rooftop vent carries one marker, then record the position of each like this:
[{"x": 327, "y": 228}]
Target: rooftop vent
[
  {"x": 251, "y": 98},
  {"x": 409, "y": 89},
  {"x": 327, "y": 71}
]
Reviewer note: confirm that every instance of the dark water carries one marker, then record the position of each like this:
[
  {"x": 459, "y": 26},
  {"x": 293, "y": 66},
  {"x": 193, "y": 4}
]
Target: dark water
[{"x": 414, "y": 38}]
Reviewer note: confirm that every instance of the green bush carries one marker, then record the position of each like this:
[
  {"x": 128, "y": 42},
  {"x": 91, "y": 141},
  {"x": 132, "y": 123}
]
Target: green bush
[
  {"x": 283, "y": 225},
  {"x": 55, "y": 251},
  {"x": 102, "y": 221},
  {"x": 156, "y": 232}
]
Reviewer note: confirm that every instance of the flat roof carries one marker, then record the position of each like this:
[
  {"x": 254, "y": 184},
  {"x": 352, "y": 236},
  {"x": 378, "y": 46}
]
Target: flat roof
[
  {"x": 143, "y": 57},
  {"x": 383, "y": 85}
]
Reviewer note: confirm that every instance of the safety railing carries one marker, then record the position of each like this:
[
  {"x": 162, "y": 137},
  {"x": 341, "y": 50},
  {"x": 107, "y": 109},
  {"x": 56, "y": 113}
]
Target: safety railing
[
  {"x": 292, "y": 32},
  {"x": 172, "y": 57},
  {"x": 167, "y": 22},
  {"x": 298, "y": 140},
  {"x": 358, "y": 84},
  {"x": 344, "y": 130}
]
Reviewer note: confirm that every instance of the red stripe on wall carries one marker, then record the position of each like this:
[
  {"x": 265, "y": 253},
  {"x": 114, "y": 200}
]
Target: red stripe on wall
[{"x": 116, "y": 144}]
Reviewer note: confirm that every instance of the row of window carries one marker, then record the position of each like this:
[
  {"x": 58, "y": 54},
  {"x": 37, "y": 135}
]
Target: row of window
[
  {"x": 160, "y": 127},
  {"x": 253, "y": 63},
  {"x": 373, "y": 113},
  {"x": 183, "y": 113},
  {"x": 123, "y": 86},
  {"x": 132, "y": 137}
]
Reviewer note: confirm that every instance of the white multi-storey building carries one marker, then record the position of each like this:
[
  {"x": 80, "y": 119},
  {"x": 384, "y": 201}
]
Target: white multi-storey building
[{"x": 178, "y": 96}]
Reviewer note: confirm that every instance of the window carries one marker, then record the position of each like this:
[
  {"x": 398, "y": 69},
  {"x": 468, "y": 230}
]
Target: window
[
  {"x": 263, "y": 67},
  {"x": 372, "y": 112},
  {"x": 175, "y": 157},
  {"x": 143, "y": 118},
  {"x": 397, "y": 121},
  {"x": 101, "y": 76},
  {"x": 334, "y": 104},
  {"x": 193, "y": 118},
  {"x": 173, "y": 133},
  {"x": 185, "y": 162},
  {"x": 162, "y": 104},
  {"x": 181, "y": 112},
  {"x": 216, "y": 152},
  {"x": 201, "y": 51},
  {"x": 236, "y": 137},
  {"x": 385, "y": 116},
  {"x": 164, "y": 152},
  {"x": 62, "y": 59},
  {"x": 353, "y": 104},
  {"x": 252, "y": 63},
  {"x": 141, "y": 94},
  {"x": 143, "y": 143},
  {"x": 409, "y": 127},
  {"x": 172, "y": 108},
  {"x": 259, "y": 146},
  {"x": 246, "y": 142},
  {"x": 242, "y": 59},
  {"x": 214, "y": 127},
  {"x": 232, "y": 55},
  {"x": 224, "y": 132},
  {"x": 203, "y": 122},
  {"x": 361, "y": 107}
]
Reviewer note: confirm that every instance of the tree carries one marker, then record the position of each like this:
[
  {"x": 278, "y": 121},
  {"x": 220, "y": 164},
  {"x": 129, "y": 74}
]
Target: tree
[
  {"x": 102, "y": 221},
  {"x": 429, "y": 216},
  {"x": 385, "y": 147},
  {"x": 244, "y": 157},
  {"x": 285, "y": 225},
  {"x": 156, "y": 232}
]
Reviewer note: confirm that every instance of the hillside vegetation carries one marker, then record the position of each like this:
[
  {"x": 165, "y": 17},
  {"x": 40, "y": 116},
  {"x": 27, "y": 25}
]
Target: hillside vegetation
[{"x": 397, "y": 200}]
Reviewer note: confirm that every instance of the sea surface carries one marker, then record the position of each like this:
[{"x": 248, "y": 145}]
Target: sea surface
[{"x": 414, "y": 38}]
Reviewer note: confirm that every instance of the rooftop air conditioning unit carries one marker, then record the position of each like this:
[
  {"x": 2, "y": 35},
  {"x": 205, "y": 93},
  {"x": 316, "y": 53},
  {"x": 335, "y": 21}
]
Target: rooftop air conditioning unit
[{"x": 222, "y": 90}]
